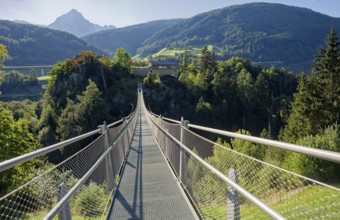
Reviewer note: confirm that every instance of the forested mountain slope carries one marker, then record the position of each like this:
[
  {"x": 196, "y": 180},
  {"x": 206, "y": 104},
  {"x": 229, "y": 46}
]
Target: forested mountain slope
[
  {"x": 33, "y": 45},
  {"x": 129, "y": 38},
  {"x": 261, "y": 32}
]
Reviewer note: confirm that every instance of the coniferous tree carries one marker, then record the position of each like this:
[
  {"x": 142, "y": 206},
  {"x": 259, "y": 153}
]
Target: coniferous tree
[
  {"x": 213, "y": 65},
  {"x": 262, "y": 102},
  {"x": 205, "y": 60},
  {"x": 91, "y": 107},
  {"x": 300, "y": 120},
  {"x": 317, "y": 102},
  {"x": 327, "y": 69},
  {"x": 186, "y": 61},
  {"x": 245, "y": 84},
  {"x": 68, "y": 122}
]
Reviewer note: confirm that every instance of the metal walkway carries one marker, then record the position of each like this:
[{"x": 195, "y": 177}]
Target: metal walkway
[{"x": 148, "y": 189}]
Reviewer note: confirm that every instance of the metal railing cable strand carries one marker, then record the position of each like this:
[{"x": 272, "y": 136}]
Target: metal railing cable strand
[
  {"x": 32, "y": 155},
  {"x": 291, "y": 195},
  {"x": 29, "y": 156},
  {"x": 242, "y": 191},
  {"x": 172, "y": 120},
  {"x": 313, "y": 152},
  {"x": 37, "y": 196},
  {"x": 75, "y": 188},
  {"x": 117, "y": 122},
  {"x": 85, "y": 172}
]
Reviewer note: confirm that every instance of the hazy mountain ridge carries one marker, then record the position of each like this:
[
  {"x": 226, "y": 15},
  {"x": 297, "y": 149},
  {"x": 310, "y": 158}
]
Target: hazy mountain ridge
[
  {"x": 130, "y": 37},
  {"x": 74, "y": 22},
  {"x": 33, "y": 45},
  {"x": 21, "y": 22}
]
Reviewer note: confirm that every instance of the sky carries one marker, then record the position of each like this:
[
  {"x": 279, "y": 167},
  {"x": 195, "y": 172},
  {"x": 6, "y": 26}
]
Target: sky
[{"x": 122, "y": 13}]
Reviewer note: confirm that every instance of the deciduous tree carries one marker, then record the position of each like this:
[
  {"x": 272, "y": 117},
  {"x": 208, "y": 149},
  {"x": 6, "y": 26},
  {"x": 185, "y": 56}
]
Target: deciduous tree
[
  {"x": 15, "y": 140},
  {"x": 123, "y": 60}
]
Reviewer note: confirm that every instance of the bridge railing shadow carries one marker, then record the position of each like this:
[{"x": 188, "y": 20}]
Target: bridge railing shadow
[{"x": 135, "y": 210}]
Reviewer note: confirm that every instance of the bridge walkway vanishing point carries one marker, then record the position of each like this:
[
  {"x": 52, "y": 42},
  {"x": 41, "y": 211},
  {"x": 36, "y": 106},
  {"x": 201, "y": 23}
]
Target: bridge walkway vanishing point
[{"x": 148, "y": 188}]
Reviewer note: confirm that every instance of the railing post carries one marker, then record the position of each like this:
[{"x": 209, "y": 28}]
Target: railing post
[
  {"x": 182, "y": 154},
  {"x": 65, "y": 212},
  {"x": 110, "y": 175},
  {"x": 233, "y": 205},
  {"x": 123, "y": 142},
  {"x": 166, "y": 145},
  {"x": 128, "y": 133}
]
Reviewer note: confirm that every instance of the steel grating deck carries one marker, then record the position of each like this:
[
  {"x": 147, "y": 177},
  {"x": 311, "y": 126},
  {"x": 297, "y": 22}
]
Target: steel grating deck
[{"x": 148, "y": 189}]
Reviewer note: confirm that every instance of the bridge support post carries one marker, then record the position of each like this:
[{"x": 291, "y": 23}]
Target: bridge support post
[
  {"x": 110, "y": 175},
  {"x": 167, "y": 145},
  {"x": 128, "y": 134},
  {"x": 182, "y": 154},
  {"x": 233, "y": 205},
  {"x": 65, "y": 212},
  {"x": 123, "y": 142}
]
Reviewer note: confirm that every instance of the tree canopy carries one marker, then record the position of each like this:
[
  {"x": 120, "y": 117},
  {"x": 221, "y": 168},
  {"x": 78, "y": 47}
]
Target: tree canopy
[
  {"x": 83, "y": 92},
  {"x": 317, "y": 102},
  {"x": 3, "y": 54},
  {"x": 15, "y": 140},
  {"x": 123, "y": 59}
]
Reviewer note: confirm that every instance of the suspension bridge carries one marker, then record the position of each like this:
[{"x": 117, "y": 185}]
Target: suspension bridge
[{"x": 146, "y": 166}]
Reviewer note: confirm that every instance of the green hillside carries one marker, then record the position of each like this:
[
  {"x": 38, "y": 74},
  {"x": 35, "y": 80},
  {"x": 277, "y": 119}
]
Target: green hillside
[
  {"x": 269, "y": 34},
  {"x": 33, "y": 45},
  {"x": 129, "y": 38}
]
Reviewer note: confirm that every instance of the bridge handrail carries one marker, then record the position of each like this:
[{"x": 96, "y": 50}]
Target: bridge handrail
[
  {"x": 266, "y": 209},
  {"x": 314, "y": 152},
  {"x": 76, "y": 187},
  {"x": 5, "y": 165}
]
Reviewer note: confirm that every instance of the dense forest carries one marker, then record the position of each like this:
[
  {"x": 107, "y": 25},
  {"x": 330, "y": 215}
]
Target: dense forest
[
  {"x": 233, "y": 95},
  {"x": 17, "y": 84},
  {"x": 237, "y": 96},
  {"x": 230, "y": 95}
]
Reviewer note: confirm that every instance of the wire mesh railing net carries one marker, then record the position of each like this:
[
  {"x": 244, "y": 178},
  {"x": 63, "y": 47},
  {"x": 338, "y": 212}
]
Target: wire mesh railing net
[
  {"x": 51, "y": 182},
  {"x": 291, "y": 195},
  {"x": 34, "y": 199},
  {"x": 170, "y": 148}
]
